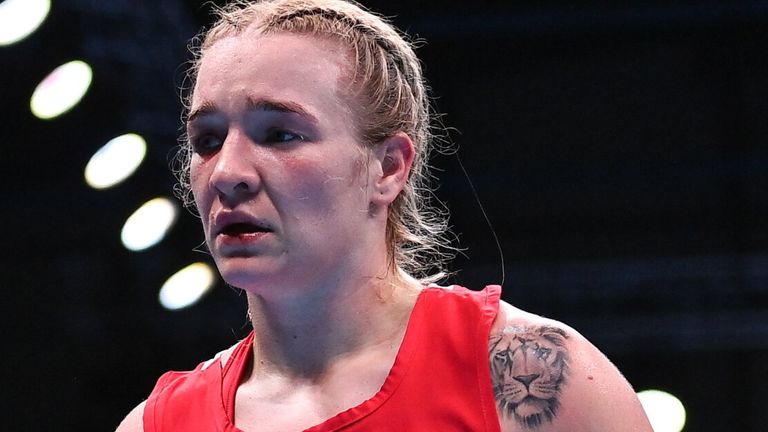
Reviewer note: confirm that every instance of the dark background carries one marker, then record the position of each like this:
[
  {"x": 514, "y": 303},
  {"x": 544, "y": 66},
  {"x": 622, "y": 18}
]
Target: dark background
[{"x": 619, "y": 149}]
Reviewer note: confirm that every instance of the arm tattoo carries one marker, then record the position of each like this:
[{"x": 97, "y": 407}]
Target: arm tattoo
[{"x": 529, "y": 366}]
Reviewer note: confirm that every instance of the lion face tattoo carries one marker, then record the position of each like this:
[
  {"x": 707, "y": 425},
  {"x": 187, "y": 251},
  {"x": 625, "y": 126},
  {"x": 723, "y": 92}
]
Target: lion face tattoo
[{"x": 528, "y": 369}]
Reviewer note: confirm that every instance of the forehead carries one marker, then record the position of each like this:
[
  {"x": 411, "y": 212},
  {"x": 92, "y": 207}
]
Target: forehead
[{"x": 308, "y": 70}]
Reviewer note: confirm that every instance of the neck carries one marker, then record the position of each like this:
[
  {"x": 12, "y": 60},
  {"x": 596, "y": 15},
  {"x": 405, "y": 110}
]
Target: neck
[{"x": 302, "y": 335}]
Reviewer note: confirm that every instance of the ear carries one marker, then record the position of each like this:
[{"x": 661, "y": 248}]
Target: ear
[{"x": 393, "y": 160}]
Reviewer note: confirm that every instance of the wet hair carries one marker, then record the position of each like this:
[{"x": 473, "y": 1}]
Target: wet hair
[{"x": 388, "y": 93}]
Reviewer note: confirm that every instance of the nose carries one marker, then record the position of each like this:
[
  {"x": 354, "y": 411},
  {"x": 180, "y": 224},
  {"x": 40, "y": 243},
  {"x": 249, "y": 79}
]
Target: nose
[
  {"x": 235, "y": 177},
  {"x": 526, "y": 379}
]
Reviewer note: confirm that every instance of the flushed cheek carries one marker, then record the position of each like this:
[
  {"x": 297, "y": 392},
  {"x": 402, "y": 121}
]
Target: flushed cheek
[
  {"x": 308, "y": 199},
  {"x": 319, "y": 189},
  {"x": 304, "y": 176}
]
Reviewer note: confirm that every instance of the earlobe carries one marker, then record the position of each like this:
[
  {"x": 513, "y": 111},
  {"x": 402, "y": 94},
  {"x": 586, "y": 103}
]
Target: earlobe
[{"x": 395, "y": 157}]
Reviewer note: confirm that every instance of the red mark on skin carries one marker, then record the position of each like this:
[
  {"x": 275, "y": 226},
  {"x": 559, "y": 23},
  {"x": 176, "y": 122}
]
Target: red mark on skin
[{"x": 589, "y": 377}]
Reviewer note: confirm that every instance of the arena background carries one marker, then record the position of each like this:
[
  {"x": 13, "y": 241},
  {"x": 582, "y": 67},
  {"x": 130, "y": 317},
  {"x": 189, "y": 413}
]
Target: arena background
[{"x": 619, "y": 150}]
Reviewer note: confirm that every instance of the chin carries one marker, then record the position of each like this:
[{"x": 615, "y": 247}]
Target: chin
[{"x": 243, "y": 273}]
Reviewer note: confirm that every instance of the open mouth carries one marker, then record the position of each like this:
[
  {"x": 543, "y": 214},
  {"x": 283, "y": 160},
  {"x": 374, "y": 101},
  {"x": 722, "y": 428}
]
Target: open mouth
[{"x": 237, "y": 229}]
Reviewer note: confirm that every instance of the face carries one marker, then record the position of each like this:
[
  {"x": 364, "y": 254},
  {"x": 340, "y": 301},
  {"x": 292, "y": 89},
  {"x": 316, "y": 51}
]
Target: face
[{"x": 277, "y": 173}]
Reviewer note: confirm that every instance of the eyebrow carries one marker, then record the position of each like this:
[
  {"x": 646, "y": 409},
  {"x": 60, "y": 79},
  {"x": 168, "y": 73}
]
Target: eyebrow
[{"x": 208, "y": 108}]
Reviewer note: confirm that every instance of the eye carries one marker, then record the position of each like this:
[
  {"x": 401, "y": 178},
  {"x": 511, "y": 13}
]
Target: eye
[
  {"x": 281, "y": 136},
  {"x": 543, "y": 353},
  {"x": 206, "y": 144}
]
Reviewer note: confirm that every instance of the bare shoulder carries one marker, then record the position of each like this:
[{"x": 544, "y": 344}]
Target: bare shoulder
[
  {"x": 547, "y": 377},
  {"x": 134, "y": 421}
]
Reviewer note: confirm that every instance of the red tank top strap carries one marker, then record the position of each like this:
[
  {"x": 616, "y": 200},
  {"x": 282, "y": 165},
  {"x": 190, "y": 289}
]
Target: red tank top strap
[
  {"x": 232, "y": 374},
  {"x": 490, "y": 308}
]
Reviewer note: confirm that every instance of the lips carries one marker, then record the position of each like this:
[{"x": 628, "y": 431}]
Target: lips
[{"x": 236, "y": 224}]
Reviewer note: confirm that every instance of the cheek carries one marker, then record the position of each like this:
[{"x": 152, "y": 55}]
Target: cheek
[
  {"x": 311, "y": 189},
  {"x": 331, "y": 188},
  {"x": 311, "y": 183},
  {"x": 196, "y": 179},
  {"x": 198, "y": 184}
]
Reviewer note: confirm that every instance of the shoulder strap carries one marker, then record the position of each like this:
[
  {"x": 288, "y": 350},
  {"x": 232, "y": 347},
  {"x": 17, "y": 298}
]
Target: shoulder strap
[{"x": 232, "y": 374}]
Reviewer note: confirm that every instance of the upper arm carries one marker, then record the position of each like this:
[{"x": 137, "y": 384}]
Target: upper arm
[
  {"x": 547, "y": 377},
  {"x": 134, "y": 421}
]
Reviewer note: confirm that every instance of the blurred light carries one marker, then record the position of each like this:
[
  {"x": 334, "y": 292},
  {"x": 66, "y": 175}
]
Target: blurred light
[
  {"x": 115, "y": 161},
  {"x": 149, "y": 224},
  {"x": 665, "y": 412},
  {"x": 61, "y": 90},
  {"x": 19, "y": 18},
  {"x": 187, "y": 286}
]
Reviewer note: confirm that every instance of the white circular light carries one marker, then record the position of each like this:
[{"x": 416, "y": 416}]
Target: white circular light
[
  {"x": 115, "y": 161},
  {"x": 61, "y": 90},
  {"x": 149, "y": 224},
  {"x": 19, "y": 18},
  {"x": 187, "y": 286},
  {"x": 665, "y": 412}
]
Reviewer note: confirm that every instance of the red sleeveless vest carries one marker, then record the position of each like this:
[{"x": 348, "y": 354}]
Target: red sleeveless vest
[{"x": 440, "y": 380}]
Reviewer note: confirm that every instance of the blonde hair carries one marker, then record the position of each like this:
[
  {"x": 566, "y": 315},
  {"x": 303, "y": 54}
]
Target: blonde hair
[{"x": 390, "y": 97}]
